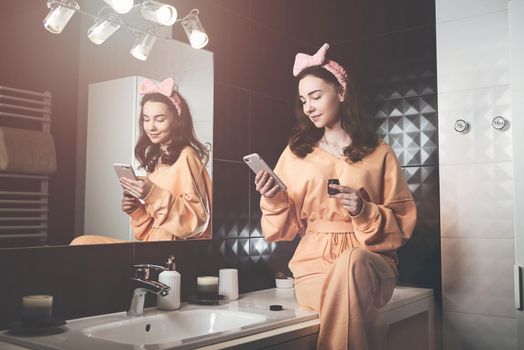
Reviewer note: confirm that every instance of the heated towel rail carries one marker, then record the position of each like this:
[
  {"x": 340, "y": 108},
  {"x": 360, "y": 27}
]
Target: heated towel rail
[{"x": 24, "y": 198}]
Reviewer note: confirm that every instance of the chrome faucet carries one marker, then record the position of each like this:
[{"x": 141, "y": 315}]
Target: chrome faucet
[{"x": 143, "y": 285}]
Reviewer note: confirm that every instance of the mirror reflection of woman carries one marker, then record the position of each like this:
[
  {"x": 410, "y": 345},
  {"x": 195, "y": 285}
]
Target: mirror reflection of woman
[
  {"x": 173, "y": 201},
  {"x": 345, "y": 263}
]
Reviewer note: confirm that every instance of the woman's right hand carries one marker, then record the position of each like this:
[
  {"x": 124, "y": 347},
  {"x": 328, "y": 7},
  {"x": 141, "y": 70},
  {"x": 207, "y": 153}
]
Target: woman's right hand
[
  {"x": 266, "y": 185},
  {"x": 129, "y": 204}
]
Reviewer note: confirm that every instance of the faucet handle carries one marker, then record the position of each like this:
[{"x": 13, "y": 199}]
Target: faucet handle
[
  {"x": 150, "y": 267},
  {"x": 142, "y": 270}
]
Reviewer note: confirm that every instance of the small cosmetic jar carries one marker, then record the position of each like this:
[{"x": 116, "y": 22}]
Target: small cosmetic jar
[
  {"x": 330, "y": 190},
  {"x": 285, "y": 283}
]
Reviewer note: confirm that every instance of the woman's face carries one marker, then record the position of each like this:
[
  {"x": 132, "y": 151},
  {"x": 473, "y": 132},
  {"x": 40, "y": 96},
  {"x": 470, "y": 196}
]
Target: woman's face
[
  {"x": 320, "y": 101},
  {"x": 157, "y": 122}
]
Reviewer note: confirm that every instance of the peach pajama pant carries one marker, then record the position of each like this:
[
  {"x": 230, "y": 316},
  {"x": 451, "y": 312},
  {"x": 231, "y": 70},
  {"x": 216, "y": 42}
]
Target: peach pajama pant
[{"x": 348, "y": 285}]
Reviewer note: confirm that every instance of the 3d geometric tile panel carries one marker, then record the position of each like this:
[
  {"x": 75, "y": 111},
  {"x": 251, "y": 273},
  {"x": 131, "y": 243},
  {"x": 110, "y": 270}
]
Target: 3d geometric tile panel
[
  {"x": 473, "y": 52},
  {"x": 479, "y": 332},
  {"x": 255, "y": 229},
  {"x": 230, "y": 203},
  {"x": 233, "y": 250},
  {"x": 231, "y": 224},
  {"x": 478, "y": 276},
  {"x": 419, "y": 263},
  {"x": 410, "y": 127},
  {"x": 477, "y": 200},
  {"x": 423, "y": 183},
  {"x": 482, "y": 142},
  {"x": 260, "y": 249},
  {"x": 402, "y": 81}
]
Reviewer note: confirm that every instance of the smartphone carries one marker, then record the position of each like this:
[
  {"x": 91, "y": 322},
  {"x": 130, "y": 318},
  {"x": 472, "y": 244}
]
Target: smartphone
[
  {"x": 125, "y": 170},
  {"x": 256, "y": 163}
]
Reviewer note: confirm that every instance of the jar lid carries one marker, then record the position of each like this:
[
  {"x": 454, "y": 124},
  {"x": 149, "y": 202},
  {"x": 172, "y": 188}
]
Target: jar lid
[{"x": 276, "y": 307}]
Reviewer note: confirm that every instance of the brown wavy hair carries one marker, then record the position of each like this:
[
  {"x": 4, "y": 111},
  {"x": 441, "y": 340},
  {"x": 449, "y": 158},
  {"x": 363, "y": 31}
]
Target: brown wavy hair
[
  {"x": 182, "y": 135},
  {"x": 354, "y": 120}
]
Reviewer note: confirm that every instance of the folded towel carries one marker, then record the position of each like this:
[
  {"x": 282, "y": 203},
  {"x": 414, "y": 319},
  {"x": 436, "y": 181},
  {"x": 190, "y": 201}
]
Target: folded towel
[{"x": 27, "y": 151}]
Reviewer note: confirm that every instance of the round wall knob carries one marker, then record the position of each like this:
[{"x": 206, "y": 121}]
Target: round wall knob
[
  {"x": 461, "y": 125},
  {"x": 498, "y": 122}
]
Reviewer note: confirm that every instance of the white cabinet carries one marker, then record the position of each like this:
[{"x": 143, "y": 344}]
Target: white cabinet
[{"x": 112, "y": 131}]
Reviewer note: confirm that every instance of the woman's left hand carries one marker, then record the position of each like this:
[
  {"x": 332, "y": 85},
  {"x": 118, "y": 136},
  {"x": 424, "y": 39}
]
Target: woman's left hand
[
  {"x": 139, "y": 188},
  {"x": 351, "y": 199}
]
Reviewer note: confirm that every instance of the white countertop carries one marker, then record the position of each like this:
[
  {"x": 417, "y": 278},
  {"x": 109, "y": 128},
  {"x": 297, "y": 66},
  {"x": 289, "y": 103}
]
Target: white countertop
[
  {"x": 286, "y": 297},
  {"x": 301, "y": 320}
]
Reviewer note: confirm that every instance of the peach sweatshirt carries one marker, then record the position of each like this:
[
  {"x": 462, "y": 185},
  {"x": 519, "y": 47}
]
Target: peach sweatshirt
[
  {"x": 179, "y": 203},
  {"x": 384, "y": 224}
]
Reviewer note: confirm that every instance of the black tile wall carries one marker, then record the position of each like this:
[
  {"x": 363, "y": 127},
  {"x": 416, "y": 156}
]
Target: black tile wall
[
  {"x": 273, "y": 56},
  {"x": 340, "y": 21},
  {"x": 83, "y": 280},
  {"x": 389, "y": 46},
  {"x": 419, "y": 260},
  {"x": 240, "y": 7},
  {"x": 231, "y": 199},
  {"x": 271, "y": 122},
  {"x": 231, "y": 122}
]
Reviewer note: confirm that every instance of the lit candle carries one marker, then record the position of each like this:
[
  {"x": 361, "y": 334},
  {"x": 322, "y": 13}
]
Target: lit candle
[
  {"x": 37, "y": 308},
  {"x": 207, "y": 285}
]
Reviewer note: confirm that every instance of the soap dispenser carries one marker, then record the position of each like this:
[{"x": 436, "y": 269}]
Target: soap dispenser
[{"x": 172, "y": 279}]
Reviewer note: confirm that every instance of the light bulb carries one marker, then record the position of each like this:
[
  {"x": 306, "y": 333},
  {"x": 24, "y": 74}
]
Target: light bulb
[
  {"x": 142, "y": 46},
  {"x": 159, "y": 13},
  {"x": 198, "y": 39},
  {"x": 102, "y": 30},
  {"x": 195, "y": 30},
  {"x": 60, "y": 14},
  {"x": 120, "y": 6}
]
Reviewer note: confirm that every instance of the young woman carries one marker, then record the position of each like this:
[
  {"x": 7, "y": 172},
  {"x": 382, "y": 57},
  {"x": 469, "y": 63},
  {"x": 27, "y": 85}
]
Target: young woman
[
  {"x": 345, "y": 263},
  {"x": 176, "y": 194}
]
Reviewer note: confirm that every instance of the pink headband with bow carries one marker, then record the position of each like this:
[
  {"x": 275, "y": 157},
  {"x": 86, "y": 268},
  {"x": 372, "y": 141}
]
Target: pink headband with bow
[
  {"x": 165, "y": 88},
  {"x": 303, "y": 61}
]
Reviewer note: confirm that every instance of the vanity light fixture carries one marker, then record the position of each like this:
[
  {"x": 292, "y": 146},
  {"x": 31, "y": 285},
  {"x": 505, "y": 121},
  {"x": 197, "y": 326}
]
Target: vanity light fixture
[
  {"x": 143, "y": 44},
  {"x": 159, "y": 13},
  {"x": 195, "y": 30},
  {"x": 120, "y": 6},
  {"x": 61, "y": 12}
]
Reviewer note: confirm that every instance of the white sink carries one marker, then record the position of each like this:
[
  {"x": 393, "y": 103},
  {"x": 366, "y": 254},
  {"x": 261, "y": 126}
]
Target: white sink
[
  {"x": 189, "y": 327},
  {"x": 173, "y": 326}
]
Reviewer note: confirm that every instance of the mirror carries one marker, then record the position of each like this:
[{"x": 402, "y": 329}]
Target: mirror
[{"x": 105, "y": 125}]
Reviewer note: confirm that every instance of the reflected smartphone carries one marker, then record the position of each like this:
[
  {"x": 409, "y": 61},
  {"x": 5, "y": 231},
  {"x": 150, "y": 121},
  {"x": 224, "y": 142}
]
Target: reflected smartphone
[
  {"x": 256, "y": 163},
  {"x": 125, "y": 170}
]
